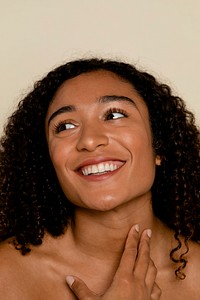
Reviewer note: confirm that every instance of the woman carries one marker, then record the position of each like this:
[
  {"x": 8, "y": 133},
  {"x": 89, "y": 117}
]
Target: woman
[{"x": 96, "y": 158}]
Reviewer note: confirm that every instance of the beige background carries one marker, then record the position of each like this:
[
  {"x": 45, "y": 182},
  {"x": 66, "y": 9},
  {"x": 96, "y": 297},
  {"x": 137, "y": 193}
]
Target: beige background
[{"x": 162, "y": 36}]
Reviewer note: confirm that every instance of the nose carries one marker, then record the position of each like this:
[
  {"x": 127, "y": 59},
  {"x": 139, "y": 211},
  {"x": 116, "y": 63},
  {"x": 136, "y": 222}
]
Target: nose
[{"x": 91, "y": 138}]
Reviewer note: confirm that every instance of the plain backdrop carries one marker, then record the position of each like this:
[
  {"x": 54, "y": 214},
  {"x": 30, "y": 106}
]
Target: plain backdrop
[{"x": 161, "y": 36}]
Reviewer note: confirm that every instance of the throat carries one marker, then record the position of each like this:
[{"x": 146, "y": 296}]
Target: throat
[{"x": 101, "y": 234}]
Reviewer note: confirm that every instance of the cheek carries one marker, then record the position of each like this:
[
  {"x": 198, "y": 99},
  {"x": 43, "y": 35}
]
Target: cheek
[
  {"x": 139, "y": 145},
  {"x": 54, "y": 155},
  {"x": 137, "y": 140},
  {"x": 59, "y": 154},
  {"x": 60, "y": 161},
  {"x": 62, "y": 157}
]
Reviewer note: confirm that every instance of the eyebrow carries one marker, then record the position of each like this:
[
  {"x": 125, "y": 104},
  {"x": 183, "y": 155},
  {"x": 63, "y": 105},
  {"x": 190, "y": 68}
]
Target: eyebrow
[
  {"x": 112, "y": 98},
  {"x": 64, "y": 109},
  {"x": 101, "y": 100}
]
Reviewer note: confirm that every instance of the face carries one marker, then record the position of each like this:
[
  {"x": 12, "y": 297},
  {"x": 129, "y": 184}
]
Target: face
[{"x": 100, "y": 142}]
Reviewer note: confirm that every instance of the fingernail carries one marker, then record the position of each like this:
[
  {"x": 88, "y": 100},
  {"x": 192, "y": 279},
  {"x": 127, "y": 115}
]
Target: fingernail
[
  {"x": 137, "y": 228},
  {"x": 149, "y": 233},
  {"x": 70, "y": 280}
]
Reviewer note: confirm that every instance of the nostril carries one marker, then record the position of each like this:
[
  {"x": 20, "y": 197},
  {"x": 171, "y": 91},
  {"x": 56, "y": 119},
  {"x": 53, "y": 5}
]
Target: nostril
[{"x": 91, "y": 140}]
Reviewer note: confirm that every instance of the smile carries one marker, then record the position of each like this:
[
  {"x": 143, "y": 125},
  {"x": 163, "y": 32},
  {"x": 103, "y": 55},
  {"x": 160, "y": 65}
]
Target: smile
[{"x": 100, "y": 169}]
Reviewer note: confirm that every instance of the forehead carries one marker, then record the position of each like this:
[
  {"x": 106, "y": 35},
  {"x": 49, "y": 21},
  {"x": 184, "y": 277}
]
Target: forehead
[
  {"x": 85, "y": 90},
  {"x": 88, "y": 87}
]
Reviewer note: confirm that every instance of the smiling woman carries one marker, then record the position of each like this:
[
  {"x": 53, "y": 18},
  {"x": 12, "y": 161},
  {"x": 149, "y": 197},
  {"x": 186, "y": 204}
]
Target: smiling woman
[
  {"x": 96, "y": 158},
  {"x": 99, "y": 131}
]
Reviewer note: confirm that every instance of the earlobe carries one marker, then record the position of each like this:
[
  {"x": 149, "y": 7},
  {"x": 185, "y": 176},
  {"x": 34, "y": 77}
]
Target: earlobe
[{"x": 158, "y": 160}]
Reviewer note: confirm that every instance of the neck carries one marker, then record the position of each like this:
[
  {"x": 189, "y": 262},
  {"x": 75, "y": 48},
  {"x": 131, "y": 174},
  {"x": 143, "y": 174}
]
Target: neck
[
  {"x": 95, "y": 243},
  {"x": 102, "y": 235}
]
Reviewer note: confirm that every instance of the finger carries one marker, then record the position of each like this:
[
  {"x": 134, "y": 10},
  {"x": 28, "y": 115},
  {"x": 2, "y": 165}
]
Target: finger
[
  {"x": 156, "y": 292},
  {"x": 143, "y": 258},
  {"x": 130, "y": 252},
  {"x": 80, "y": 289},
  {"x": 151, "y": 275}
]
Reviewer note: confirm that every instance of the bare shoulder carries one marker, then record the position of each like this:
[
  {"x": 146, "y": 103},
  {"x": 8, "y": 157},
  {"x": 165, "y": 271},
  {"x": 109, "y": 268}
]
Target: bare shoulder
[
  {"x": 32, "y": 276},
  {"x": 18, "y": 274},
  {"x": 10, "y": 271},
  {"x": 188, "y": 288},
  {"x": 192, "y": 270},
  {"x": 194, "y": 260},
  {"x": 9, "y": 258}
]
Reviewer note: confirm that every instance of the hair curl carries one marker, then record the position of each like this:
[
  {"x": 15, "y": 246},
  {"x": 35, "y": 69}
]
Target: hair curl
[{"x": 31, "y": 199}]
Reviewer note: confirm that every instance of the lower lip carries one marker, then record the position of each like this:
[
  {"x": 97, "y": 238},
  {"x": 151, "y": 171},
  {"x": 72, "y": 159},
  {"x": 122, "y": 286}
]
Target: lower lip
[{"x": 100, "y": 177}]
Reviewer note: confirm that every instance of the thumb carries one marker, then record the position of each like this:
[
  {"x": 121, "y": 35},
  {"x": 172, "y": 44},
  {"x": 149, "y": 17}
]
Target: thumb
[{"x": 80, "y": 289}]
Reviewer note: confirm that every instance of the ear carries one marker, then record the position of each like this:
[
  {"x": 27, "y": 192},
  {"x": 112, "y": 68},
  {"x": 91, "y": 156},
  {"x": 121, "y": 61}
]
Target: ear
[{"x": 158, "y": 160}]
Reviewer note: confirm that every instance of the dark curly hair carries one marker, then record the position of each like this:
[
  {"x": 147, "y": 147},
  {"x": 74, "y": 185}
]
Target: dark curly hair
[{"x": 31, "y": 199}]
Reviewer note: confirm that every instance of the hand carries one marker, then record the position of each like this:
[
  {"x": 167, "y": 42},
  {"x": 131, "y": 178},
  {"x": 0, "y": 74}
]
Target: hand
[{"x": 134, "y": 278}]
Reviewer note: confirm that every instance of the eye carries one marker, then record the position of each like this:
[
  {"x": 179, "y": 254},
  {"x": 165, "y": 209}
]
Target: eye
[
  {"x": 115, "y": 113},
  {"x": 64, "y": 125}
]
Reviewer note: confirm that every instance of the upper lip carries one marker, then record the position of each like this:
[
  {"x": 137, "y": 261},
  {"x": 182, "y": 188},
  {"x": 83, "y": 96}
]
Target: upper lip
[{"x": 96, "y": 160}]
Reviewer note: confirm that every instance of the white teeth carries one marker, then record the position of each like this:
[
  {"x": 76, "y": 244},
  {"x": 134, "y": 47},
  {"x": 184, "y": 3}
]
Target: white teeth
[
  {"x": 107, "y": 167},
  {"x": 99, "y": 169},
  {"x": 95, "y": 169}
]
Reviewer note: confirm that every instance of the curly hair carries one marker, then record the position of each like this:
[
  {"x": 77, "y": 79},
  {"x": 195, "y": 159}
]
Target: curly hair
[{"x": 31, "y": 199}]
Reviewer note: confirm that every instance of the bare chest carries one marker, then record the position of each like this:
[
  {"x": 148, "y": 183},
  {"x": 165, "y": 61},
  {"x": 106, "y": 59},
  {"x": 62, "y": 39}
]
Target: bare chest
[{"x": 42, "y": 288}]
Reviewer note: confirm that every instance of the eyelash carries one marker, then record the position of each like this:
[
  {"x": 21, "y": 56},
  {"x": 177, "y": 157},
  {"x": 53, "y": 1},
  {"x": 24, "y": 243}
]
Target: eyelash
[
  {"x": 59, "y": 124},
  {"x": 110, "y": 111},
  {"x": 115, "y": 110}
]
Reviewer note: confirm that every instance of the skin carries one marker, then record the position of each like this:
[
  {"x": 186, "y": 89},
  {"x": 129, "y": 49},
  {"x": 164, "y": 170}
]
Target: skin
[
  {"x": 103, "y": 253},
  {"x": 92, "y": 140}
]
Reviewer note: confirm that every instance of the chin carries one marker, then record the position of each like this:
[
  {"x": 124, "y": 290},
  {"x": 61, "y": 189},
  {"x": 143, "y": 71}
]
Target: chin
[{"x": 106, "y": 204}]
